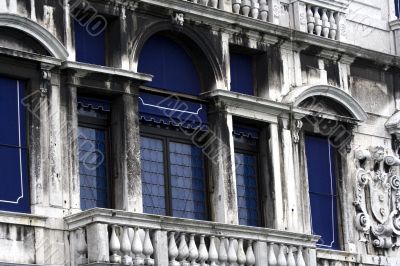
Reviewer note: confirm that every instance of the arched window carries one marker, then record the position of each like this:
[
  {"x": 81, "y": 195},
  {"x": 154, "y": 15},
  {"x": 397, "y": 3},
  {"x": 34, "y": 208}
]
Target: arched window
[{"x": 172, "y": 166}]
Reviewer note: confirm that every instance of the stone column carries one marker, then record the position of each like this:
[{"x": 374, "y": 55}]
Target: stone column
[
  {"x": 97, "y": 243},
  {"x": 291, "y": 68},
  {"x": 299, "y": 16},
  {"x": 344, "y": 64},
  {"x": 280, "y": 221},
  {"x": 68, "y": 31},
  {"x": 395, "y": 28},
  {"x": 124, "y": 40},
  {"x": 219, "y": 150},
  {"x": 323, "y": 75},
  {"x": 126, "y": 151}
]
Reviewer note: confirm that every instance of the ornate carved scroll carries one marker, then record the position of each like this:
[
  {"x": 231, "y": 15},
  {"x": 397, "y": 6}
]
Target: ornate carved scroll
[{"x": 377, "y": 197}]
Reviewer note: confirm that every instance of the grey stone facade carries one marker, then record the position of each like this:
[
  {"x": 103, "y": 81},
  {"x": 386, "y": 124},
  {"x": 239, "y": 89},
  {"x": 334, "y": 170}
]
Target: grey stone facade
[{"x": 349, "y": 75}]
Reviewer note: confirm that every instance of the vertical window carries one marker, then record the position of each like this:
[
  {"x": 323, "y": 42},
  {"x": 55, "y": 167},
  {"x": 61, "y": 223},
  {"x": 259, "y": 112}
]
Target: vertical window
[
  {"x": 173, "y": 177},
  {"x": 241, "y": 66},
  {"x": 90, "y": 40},
  {"x": 14, "y": 189},
  {"x": 93, "y": 153},
  {"x": 322, "y": 189},
  {"x": 246, "y": 157},
  {"x": 397, "y": 7}
]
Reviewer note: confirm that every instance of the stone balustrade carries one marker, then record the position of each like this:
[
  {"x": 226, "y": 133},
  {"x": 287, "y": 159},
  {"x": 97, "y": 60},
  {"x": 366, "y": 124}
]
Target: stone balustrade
[
  {"x": 322, "y": 22},
  {"x": 109, "y": 236},
  {"x": 257, "y": 9}
]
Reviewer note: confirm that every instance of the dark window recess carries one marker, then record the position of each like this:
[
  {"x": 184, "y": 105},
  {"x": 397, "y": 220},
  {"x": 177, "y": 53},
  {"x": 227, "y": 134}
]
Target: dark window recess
[
  {"x": 397, "y": 6},
  {"x": 246, "y": 157},
  {"x": 322, "y": 187},
  {"x": 90, "y": 41},
  {"x": 14, "y": 189},
  {"x": 93, "y": 153},
  {"x": 176, "y": 169},
  {"x": 241, "y": 66},
  {"x": 170, "y": 65}
]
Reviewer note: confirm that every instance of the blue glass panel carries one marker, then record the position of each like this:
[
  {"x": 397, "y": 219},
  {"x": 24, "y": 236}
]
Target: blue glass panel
[
  {"x": 92, "y": 168},
  {"x": 241, "y": 73},
  {"x": 322, "y": 182},
  {"x": 397, "y": 5},
  {"x": 14, "y": 191},
  {"x": 187, "y": 181},
  {"x": 246, "y": 184},
  {"x": 171, "y": 66},
  {"x": 153, "y": 182},
  {"x": 171, "y": 110},
  {"x": 89, "y": 47}
]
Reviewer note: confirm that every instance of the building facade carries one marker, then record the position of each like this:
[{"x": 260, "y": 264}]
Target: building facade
[{"x": 200, "y": 132}]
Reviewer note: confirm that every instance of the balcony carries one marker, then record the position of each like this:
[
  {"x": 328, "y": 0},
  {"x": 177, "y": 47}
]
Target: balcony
[{"x": 110, "y": 236}]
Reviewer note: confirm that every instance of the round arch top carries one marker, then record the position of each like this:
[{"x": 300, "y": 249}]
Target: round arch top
[
  {"x": 44, "y": 37},
  {"x": 298, "y": 95}
]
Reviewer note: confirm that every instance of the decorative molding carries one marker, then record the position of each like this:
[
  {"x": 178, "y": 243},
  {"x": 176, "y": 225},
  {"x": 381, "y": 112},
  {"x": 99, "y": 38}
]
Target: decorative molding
[
  {"x": 178, "y": 19},
  {"x": 377, "y": 197},
  {"x": 45, "y": 79},
  {"x": 297, "y": 126}
]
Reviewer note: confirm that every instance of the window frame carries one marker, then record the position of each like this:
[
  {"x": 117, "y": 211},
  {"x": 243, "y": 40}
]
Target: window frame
[
  {"x": 175, "y": 135},
  {"x": 101, "y": 124}
]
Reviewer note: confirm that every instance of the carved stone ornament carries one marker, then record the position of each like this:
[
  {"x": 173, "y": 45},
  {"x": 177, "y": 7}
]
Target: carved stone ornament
[
  {"x": 45, "y": 79},
  {"x": 178, "y": 19},
  {"x": 377, "y": 198}
]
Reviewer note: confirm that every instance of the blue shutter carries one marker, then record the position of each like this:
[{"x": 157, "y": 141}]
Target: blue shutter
[
  {"x": 246, "y": 184},
  {"x": 241, "y": 66},
  {"x": 187, "y": 181},
  {"x": 153, "y": 180},
  {"x": 322, "y": 188},
  {"x": 14, "y": 189},
  {"x": 89, "y": 48},
  {"x": 92, "y": 168},
  {"x": 171, "y": 66}
]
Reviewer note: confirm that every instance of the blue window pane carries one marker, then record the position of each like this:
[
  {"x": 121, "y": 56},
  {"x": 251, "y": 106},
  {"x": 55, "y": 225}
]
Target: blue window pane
[
  {"x": 92, "y": 168},
  {"x": 397, "y": 6},
  {"x": 153, "y": 184},
  {"x": 171, "y": 66},
  {"x": 246, "y": 184},
  {"x": 241, "y": 66},
  {"x": 322, "y": 187},
  {"x": 187, "y": 181},
  {"x": 14, "y": 191},
  {"x": 89, "y": 44}
]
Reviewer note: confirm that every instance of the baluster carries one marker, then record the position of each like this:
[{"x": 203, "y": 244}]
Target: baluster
[
  {"x": 81, "y": 247},
  {"x": 255, "y": 6},
  {"x": 232, "y": 257},
  {"x": 148, "y": 249},
  {"x": 290, "y": 259},
  {"x": 281, "y": 257},
  {"x": 333, "y": 29},
  {"x": 300, "y": 260},
  {"x": 204, "y": 2},
  {"x": 183, "y": 250},
  {"x": 246, "y": 4},
  {"x": 264, "y": 10},
  {"x": 325, "y": 23},
  {"x": 236, "y": 6},
  {"x": 310, "y": 20},
  {"x": 271, "y": 255},
  {"x": 213, "y": 253},
  {"x": 115, "y": 246},
  {"x": 318, "y": 22},
  {"x": 172, "y": 250},
  {"x": 214, "y": 3},
  {"x": 126, "y": 247},
  {"x": 250, "y": 257},
  {"x": 241, "y": 256},
  {"x": 137, "y": 248},
  {"x": 222, "y": 255},
  {"x": 195, "y": 1},
  {"x": 203, "y": 253},
  {"x": 193, "y": 251}
]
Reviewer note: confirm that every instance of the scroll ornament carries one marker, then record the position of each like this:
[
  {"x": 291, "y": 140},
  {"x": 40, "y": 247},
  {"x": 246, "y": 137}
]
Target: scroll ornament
[{"x": 377, "y": 198}]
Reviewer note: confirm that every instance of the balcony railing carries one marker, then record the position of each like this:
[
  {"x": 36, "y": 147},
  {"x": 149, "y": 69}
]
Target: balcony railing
[{"x": 110, "y": 236}]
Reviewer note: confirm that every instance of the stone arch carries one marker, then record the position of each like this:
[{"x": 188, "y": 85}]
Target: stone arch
[
  {"x": 186, "y": 37},
  {"x": 34, "y": 30},
  {"x": 340, "y": 97}
]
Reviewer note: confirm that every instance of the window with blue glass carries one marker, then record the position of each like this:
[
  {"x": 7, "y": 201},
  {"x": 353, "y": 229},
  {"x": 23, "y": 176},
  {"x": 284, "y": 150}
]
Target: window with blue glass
[
  {"x": 322, "y": 190},
  {"x": 397, "y": 7},
  {"x": 241, "y": 66},
  {"x": 14, "y": 189},
  {"x": 90, "y": 39},
  {"x": 173, "y": 176},
  {"x": 93, "y": 144},
  {"x": 246, "y": 157}
]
